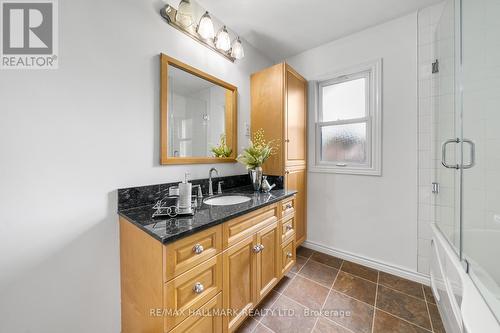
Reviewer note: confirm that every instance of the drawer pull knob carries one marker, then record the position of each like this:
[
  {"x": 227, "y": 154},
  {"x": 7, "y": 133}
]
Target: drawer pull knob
[
  {"x": 198, "y": 288},
  {"x": 198, "y": 248},
  {"x": 289, "y": 227},
  {"x": 258, "y": 248},
  {"x": 289, "y": 255},
  {"x": 288, "y": 206}
]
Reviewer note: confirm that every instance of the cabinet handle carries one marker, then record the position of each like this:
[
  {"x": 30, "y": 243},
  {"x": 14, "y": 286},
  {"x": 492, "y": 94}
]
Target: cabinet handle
[
  {"x": 288, "y": 206},
  {"x": 198, "y": 248},
  {"x": 258, "y": 248},
  {"x": 287, "y": 172},
  {"x": 198, "y": 288},
  {"x": 287, "y": 140},
  {"x": 289, "y": 255},
  {"x": 289, "y": 227}
]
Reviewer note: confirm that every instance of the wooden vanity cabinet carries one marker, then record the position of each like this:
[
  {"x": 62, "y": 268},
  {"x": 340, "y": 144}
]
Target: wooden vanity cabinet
[
  {"x": 208, "y": 281},
  {"x": 279, "y": 107}
]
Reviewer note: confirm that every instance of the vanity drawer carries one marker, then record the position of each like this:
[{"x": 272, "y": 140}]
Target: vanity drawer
[
  {"x": 287, "y": 206},
  {"x": 204, "y": 320},
  {"x": 288, "y": 257},
  {"x": 287, "y": 227},
  {"x": 241, "y": 227},
  {"x": 186, "y": 253},
  {"x": 189, "y": 291}
]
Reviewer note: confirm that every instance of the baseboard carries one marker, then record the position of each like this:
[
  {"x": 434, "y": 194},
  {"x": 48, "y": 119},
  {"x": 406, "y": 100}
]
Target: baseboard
[{"x": 391, "y": 269}]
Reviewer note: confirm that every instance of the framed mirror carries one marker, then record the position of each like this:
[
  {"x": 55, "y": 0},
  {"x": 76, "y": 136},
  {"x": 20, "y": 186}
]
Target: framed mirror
[{"x": 198, "y": 116}]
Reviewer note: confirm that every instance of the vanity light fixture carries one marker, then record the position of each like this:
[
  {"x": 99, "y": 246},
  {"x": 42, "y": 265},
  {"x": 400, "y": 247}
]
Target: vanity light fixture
[
  {"x": 237, "y": 49},
  {"x": 222, "y": 41},
  {"x": 184, "y": 18},
  {"x": 184, "y": 14},
  {"x": 206, "y": 27}
]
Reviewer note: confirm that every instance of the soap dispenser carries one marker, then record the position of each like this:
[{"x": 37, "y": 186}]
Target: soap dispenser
[{"x": 185, "y": 189}]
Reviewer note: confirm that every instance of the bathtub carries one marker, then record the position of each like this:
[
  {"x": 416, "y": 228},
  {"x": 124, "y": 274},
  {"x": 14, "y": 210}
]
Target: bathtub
[
  {"x": 460, "y": 303},
  {"x": 481, "y": 249}
]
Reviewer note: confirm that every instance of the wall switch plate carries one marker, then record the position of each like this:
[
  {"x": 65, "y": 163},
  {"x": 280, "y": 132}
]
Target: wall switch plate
[{"x": 247, "y": 130}]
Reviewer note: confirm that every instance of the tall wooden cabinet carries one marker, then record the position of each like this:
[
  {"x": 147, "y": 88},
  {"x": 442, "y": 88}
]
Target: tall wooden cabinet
[{"x": 279, "y": 107}]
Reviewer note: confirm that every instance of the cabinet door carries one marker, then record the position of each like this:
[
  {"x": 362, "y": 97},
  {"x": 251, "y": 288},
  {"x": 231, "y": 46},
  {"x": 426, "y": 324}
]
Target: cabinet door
[
  {"x": 295, "y": 118},
  {"x": 267, "y": 105},
  {"x": 295, "y": 179},
  {"x": 239, "y": 285},
  {"x": 268, "y": 270}
]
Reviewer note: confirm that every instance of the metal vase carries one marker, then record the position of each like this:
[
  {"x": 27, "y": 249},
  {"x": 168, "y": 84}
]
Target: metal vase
[{"x": 256, "y": 177}]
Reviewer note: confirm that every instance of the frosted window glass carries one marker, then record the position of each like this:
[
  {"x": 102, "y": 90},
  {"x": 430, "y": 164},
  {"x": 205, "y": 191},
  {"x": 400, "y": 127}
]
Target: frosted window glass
[
  {"x": 344, "y": 143},
  {"x": 345, "y": 100}
]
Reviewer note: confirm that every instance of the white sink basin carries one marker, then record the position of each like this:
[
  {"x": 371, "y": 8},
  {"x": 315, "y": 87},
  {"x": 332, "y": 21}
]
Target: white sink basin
[{"x": 227, "y": 200}]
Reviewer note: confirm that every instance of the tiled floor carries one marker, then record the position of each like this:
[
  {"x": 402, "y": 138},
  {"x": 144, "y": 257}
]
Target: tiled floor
[{"x": 324, "y": 294}]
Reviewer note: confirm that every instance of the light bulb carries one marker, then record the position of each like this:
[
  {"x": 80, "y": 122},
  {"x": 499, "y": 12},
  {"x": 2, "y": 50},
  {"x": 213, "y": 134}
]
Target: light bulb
[
  {"x": 237, "y": 49},
  {"x": 206, "y": 27},
  {"x": 223, "y": 42},
  {"x": 184, "y": 14}
]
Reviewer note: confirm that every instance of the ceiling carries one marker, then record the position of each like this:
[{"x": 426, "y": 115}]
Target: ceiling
[{"x": 283, "y": 28}]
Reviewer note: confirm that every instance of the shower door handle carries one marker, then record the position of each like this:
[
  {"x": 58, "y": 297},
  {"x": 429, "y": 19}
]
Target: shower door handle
[
  {"x": 443, "y": 154},
  {"x": 472, "y": 154}
]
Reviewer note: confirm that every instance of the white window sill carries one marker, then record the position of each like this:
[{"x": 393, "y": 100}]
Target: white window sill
[{"x": 345, "y": 170}]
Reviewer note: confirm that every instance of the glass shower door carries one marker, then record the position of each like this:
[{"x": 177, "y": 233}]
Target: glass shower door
[
  {"x": 446, "y": 128},
  {"x": 479, "y": 84}
]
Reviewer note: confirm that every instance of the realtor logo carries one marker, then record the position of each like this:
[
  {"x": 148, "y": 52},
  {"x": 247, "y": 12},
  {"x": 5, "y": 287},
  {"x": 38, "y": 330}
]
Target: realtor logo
[{"x": 29, "y": 34}]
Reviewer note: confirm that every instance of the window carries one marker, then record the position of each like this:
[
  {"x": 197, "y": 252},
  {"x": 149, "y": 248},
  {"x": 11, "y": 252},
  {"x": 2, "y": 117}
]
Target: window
[{"x": 348, "y": 122}]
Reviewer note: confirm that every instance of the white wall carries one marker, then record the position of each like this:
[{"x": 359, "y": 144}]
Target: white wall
[
  {"x": 68, "y": 139},
  {"x": 372, "y": 217}
]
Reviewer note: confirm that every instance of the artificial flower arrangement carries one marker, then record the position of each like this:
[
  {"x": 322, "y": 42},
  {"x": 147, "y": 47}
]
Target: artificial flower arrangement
[
  {"x": 222, "y": 150},
  {"x": 257, "y": 152}
]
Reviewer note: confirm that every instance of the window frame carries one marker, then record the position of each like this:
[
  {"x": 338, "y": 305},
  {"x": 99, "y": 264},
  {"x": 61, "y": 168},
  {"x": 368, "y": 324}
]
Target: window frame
[{"x": 372, "y": 72}]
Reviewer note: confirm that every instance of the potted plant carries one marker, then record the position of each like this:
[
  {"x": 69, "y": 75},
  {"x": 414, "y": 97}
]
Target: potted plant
[{"x": 255, "y": 155}]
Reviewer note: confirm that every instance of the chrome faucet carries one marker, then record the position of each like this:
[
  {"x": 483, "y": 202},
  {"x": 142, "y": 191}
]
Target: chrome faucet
[{"x": 210, "y": 189}]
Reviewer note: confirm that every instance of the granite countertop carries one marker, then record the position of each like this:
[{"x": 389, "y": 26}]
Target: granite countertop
[{"x": 167, "y": 230}]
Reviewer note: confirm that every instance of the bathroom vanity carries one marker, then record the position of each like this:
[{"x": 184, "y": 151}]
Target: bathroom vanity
[{"x": 206, "y": 272}]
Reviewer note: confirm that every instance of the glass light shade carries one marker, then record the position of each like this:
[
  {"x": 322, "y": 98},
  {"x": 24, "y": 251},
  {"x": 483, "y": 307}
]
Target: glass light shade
[
  {"x": 206, "y": 27},
  {"x": 184, "y": 14},
  {"x": 223, "y": 42},
  {"x": 237, "y": 49}
]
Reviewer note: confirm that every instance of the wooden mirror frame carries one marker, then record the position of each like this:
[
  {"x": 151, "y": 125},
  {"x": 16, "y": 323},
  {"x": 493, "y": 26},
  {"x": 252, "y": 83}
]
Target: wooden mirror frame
[{"x": 231, "y": 124}]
